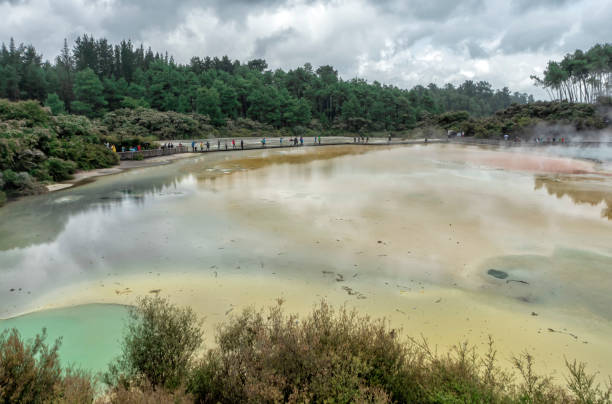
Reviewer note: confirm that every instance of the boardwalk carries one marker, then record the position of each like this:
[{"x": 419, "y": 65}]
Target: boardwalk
[
  {"x": 271, "y": 143},
  {"x": 274, "y": 143}
]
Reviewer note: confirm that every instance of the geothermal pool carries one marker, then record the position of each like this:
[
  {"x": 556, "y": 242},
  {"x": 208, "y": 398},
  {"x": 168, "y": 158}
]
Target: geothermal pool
[{"x": 447, "y": 241}]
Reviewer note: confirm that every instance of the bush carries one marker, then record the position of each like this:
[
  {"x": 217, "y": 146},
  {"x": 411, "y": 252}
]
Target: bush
[
  {"x": 30, "y": 373},
  {"x": 2, "y": 198},
  {"x": 158, "y": 347},
  {"x": 30, "y": 112},
  {"x": 20, "y": 184},
  {"x": 146, "y": 395},
  {"x": 60, "y": 169},
  {"x": 329, "y": 356},
  {"x": 339, "y": 356}
]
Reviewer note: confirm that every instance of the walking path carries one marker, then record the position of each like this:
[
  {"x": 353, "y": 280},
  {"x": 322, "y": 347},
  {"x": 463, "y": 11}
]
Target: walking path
[{"x": 219, "y": 144}]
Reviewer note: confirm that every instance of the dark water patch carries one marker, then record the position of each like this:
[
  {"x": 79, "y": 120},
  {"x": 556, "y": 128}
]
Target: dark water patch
[{"x": 496, "y": 273}]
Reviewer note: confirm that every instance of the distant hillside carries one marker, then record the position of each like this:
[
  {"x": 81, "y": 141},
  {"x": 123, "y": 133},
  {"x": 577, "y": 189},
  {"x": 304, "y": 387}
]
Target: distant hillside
[{"x": 534, "y": 119}]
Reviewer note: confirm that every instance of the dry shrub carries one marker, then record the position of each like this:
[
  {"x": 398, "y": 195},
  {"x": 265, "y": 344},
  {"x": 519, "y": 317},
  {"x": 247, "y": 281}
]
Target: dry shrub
[
  {"x": 338, "y": 356},
  {"x": 30, "y": 372},
  {"x": 144, "y": 394},
  {"x": 273, "y": 357}
]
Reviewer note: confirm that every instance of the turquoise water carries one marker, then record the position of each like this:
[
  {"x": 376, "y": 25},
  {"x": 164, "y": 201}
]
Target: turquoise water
[{"x": 90, "y": 333}]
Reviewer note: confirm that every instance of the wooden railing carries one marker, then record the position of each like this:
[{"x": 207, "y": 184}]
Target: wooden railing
[{"x": 132, "y": 155}]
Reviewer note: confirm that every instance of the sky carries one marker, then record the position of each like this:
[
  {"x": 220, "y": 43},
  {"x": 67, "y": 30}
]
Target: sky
[{"x": 399, "y": 42}]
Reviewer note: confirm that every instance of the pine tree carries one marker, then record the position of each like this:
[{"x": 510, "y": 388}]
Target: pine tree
[
  {"x": 55, "y": 104},
  {"x": 88, "y": 90}
]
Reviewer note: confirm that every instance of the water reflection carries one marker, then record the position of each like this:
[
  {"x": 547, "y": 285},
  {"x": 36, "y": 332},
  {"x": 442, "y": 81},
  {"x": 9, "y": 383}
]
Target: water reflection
[
  {"x": 396, "y": 215},
  {"x": 591, "y": 190},
  {"x": 410, "y": 232}
]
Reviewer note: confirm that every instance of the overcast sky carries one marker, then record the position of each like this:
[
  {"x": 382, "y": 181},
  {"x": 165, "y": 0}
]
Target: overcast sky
[{"x": 401, "y": 42}]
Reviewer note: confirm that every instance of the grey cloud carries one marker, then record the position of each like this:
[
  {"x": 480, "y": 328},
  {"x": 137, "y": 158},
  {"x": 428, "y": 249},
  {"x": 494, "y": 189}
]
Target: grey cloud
[
  {"x": 437, "y": 10},
  {"x": 262, "y": 44},
  {"x": 476, "y": 51},
  {"x": 402, "y": 42},
  {"x": 522, "y": 6},
  {"x": 533, "y": 38}
]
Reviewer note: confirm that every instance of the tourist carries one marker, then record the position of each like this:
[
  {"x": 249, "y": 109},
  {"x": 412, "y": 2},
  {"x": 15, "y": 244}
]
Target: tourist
[
  {"x": 226, "y": 145},
  {"x": 193, "y": 145},
  {"x": 207, "y": 145},
  {"x": 233, "y": 143},
  {"x": 280, "y": 140},
  {"x": 319, "y": 139},
  {"x": 301, "y": 141},
  {"x": 242, "y": 144},
  {"x": 263, "y": 142},
  {"x": 218, "y": 144}
]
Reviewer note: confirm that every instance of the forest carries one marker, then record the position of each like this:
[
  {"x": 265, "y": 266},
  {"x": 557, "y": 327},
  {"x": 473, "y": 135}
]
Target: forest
[
  {"x": 93, "y": 77},
  {"x": 580, "y": 76}
]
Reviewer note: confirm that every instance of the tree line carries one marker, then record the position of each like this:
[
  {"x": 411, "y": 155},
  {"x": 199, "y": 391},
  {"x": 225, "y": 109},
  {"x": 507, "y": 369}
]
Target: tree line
[
  {"x": 580, "y": 76},
  {"x": 94, "y": 77}
]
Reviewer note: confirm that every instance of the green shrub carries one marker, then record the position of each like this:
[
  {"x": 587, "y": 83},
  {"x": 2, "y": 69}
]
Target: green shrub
[
  {"x": 30, "y": 372},
  {"x": 30, "y": 112},
  {"x": 55, "y": 104},
  {"x": 59, "y": 169},
  {"x": 19, "y": 184},
  {"x": 158, "y": 347}
]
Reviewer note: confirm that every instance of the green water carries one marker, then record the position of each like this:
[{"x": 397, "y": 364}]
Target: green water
[{"x": 90, "y": 333}]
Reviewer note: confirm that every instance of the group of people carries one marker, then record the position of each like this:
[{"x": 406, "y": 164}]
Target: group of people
[
  {"x": 206, "y": 146},
  {"x": 550, "y": 140},
  {"x": 364, "y": 139},
  {"x": 201, "y": 146},
  {"x": 170, "y": 145},
  {"x": 113, "y": 148}
]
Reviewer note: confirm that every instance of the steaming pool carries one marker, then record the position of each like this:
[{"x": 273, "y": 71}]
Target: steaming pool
[{"x": 447, "y": 241}]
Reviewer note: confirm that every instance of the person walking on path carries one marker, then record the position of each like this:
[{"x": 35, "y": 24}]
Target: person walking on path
[
  {"x": 226, "y": 145},
  {"x": 233, "y": 143},
  {"x": 280, "y": 140},
  {"x": 242, "y": 144},
  {"x": 301, "y": 141},
  {"x": 319, "y": 139},
  {"x": 263, "y": 142},
  {"x": 207, "y": 145},
  {"x": 193, "y": 145}
]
